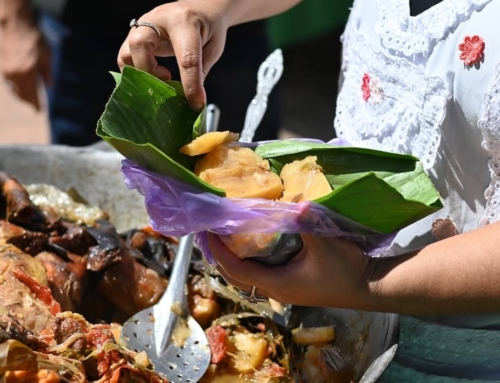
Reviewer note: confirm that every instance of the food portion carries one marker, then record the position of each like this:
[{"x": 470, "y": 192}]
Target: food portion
[
  {"x": 242, "y": 173},
  {"x": 304, "y": 181},
  {"x": 208, "y": 142},
  {"x": 70, "y": 350},
  {"x": 245, "y": 348},
  {"x": 239, "y": 172},
  {"x": 66, "y": 285},
  {"x": 319, "y": 360}
]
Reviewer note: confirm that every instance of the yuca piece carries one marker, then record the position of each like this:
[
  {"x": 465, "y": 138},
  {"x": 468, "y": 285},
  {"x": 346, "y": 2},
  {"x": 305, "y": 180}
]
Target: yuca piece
[
  {"x": 239, "y": 172},
  {"x": 313, "y": 335},
  {"x": 249, "y": 245},
  {"x": 304, "y": 181},
  {"x": 242, "y": 173},
  {"x": 208, "y": 142}
]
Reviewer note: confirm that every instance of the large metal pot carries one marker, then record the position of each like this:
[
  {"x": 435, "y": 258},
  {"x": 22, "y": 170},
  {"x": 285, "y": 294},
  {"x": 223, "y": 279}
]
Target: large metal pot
[{"x": 369, "y": 339}]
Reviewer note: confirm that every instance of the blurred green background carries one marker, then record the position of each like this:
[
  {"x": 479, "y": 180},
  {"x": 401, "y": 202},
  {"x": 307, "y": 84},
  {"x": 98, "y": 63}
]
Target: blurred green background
[
  {"x": 309, "y": 36},
  {"x": 308, "y": 20}
]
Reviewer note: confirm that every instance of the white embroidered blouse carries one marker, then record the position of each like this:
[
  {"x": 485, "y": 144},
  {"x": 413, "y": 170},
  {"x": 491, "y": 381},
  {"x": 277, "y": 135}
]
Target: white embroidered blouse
[
  {"x": 429, "y": 85},
  {"x": 405, "y": 88}
]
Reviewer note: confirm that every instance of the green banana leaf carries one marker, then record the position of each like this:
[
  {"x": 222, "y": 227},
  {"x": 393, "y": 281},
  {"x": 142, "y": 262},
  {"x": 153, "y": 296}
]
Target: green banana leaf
[
  {"x": 148, "y": 121},
  {"x": 383, "y": 191}
]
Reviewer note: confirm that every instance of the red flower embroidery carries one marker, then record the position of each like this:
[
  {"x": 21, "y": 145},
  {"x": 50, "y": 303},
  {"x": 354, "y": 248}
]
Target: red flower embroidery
[
  {"x": 366, "y": 87},
  {"x": 472, "y": 50}
]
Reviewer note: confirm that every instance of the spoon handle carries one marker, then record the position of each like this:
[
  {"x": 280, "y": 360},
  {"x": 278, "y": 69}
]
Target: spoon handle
[
  {"x": 173, "y": 303},
  {"x": 268, "y": 75}
]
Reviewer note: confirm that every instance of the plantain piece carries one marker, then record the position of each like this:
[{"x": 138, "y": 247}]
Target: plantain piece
[
  {"x": 239, "y": 172},
  {"x": 313, "y": 335},
  {"x": 208, "y": 142},
  {"x": 304, "y": 180}
]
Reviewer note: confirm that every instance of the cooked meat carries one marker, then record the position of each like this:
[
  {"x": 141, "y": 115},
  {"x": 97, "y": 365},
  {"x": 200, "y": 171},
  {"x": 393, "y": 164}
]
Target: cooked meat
[
  {"x": 67, "y": 279},
  {"x": 130, "y": 286},
  {"x": 31, "y": 242},
  {"x": 105, "y": 235},
  {"x": 151, "y": 249},
  {"x": 75, "y": 239},
  {"x": 17, "y": 297},
  {"x": 100, "y": 259},
  {"x": 11, "y": 328},
  {"x": 138, "y": 240},
  {"x": 17, "y": 204}
]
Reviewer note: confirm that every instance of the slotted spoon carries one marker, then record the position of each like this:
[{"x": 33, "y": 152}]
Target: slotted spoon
[
  {"x": 152, "y": 330},
  {"x": 173, "y": 340}
]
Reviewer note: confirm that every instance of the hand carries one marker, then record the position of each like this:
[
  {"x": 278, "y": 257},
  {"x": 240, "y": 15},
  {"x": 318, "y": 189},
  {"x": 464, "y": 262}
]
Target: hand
[
  {"x": 194, "y": 31},
  {"x": 25, "y": 58},
  {"x": 327, "y": 272}
]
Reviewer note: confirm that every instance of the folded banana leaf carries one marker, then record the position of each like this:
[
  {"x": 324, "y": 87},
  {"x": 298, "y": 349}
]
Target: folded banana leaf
[
  {"x": 148, "y": 121},
  {"x": 383, "y": 191}
]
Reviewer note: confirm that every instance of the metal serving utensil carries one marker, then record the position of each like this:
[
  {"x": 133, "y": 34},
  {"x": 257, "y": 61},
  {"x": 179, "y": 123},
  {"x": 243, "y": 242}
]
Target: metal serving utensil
[
  {"x": 269, "y": 73},
  {"x": 173, "y": 340}
]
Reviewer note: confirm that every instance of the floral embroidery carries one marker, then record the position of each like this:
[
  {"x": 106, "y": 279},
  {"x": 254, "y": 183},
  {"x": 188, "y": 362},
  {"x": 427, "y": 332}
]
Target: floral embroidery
[
  {"x": 472, "y": 50},
  {"x": 409, "y": 115},
  {"x": 444, "y": 228},
  {"x": 371, "y": 89},
  {"x": 366, "y": 87},
  {"x": 411, "y": 36}
]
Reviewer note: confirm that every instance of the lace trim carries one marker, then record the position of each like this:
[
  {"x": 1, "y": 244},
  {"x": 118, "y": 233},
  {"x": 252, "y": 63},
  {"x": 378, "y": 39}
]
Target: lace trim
[
  {"x": 490, "y": 126},
  {"x": 407, "y": 115},
  {"x": 409, "y": 36}
]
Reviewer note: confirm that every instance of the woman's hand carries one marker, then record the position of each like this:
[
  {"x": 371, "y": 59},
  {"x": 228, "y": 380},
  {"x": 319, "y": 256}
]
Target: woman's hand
[
  {"x": 194, "y": 31},
  {"x": 327, "y": 272},
  {"x": 457, "y": 275}
]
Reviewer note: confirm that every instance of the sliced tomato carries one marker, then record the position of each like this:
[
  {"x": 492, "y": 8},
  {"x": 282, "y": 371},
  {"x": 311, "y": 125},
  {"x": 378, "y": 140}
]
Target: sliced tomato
[
  {"x": 41, "y": 292},
  {"x": 217, "y": 342}
]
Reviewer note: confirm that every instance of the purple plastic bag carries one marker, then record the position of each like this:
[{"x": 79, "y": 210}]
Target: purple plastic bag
[{"x": 176, "y": 208}]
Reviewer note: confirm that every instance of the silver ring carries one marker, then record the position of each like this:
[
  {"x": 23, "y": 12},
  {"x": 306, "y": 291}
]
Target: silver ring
[
  {"x": 252, "y": 297},
  {"x": 135, "y": 23}
]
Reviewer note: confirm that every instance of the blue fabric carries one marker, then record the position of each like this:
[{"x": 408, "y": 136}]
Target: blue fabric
[{"x": 81, "y": 86}]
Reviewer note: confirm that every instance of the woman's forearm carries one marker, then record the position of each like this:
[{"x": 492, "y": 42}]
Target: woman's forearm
[{"x": 458, "y": 275}]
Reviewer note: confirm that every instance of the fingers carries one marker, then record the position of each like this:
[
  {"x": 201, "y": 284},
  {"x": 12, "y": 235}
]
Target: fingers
[
  {"x": 143, "y": 45},
  {"x": 180, "y": 30},
  {"x": 187, "y": 45}
]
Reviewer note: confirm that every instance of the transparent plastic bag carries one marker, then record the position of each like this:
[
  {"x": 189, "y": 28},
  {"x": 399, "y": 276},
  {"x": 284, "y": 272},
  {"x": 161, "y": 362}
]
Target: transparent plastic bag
[{"x": 176, "y": 208}]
